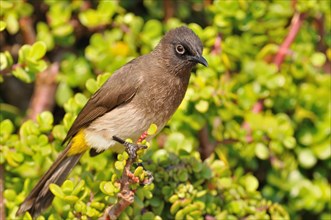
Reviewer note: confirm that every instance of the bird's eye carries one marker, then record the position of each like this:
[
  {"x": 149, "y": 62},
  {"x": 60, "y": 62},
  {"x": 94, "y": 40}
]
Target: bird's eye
[{"x": 180, "y": 49}]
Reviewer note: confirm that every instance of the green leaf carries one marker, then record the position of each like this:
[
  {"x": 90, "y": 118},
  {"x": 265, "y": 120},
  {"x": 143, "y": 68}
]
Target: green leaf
[
  {"x": 12, "y": 22},
  {"x": 67, "y": 186},
  {"x": 34, "y": 67},
  {"x": 59, "y": 132},
  {"x": 45, "y": 121},
  {"x": 251, "y": 183},
  {"x": 38, "y": 50},
  {"x": 108, "y": 188},
  {"x": 80, "y": 206},
  {"x": 79, "y": 187},
  {"x": 183, "y": 175},
  {"x": 160, "y": 155},
  {"x": 14, "y": 159},
  {"x": 56, "y": 190},
  {"x": 225, "y": 182},
  {"x": 2, "y": 25},
  {"x": 6, "y": 5},
  {"x": 97, "y": 205},
  {"x": 91, "y": 85},
  {"x": 63, "y": 30},
  {"x": 23, "y": 53},
  {"x": 261, "y": 151},
  {"x": 44, "y": 34},
  {"x": 21, "y": 74},
  {"x": 307, "y": 158},
  {"x": 152, "y": 129},
  {"x": 289, "y": 142},
  {"x": 71, "y": 199},
  {"x": 101, "y": 79},
  {"x": 29, "y": 128},
  {"x": 152, "y": 29},
  {"x": 318, "y": 59},
  {"x": 10, "y": 194},
  {"x": 43, "y": 140},
  {"x": 80, "y": 99},
  {"x": 138, "y": 171},
  {"x": 6, "y": 60},
  {"x": 119, "y": 165},
  {"x": 6, "y": 127},
  {"x": 89, "y": 18},
  {"x": 202, "y": 106},
  {"x": 322, "y": 150},
  {"x": 63, "y": 93},
  {"x": 148, "y": 215}
]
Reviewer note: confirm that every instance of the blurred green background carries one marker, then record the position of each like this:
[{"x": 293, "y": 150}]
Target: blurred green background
[{"x": 251, "y": 139}]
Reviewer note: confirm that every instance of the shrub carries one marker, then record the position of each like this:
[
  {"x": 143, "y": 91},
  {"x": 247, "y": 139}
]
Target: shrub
[{"x": 250, "y": 140}]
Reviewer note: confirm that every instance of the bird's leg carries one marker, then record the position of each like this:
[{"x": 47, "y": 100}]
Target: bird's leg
[{"x": 130, "y": 148}]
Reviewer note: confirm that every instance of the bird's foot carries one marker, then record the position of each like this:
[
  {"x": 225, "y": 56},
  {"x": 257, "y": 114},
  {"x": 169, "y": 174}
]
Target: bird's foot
[
  {"x": 148, "y": 179},
  {"x": 148, "y": 175},
  {"x": 130, "y": 148}
]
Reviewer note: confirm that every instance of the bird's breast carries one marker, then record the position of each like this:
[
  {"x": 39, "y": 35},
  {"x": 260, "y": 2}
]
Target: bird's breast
[
  {"x": 162, "y": 98},
  {"x": 126, "y": 121}
]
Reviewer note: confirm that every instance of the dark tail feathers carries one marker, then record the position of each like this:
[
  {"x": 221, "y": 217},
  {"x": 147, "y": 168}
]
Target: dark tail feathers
[{"x": 41, "y": 197}]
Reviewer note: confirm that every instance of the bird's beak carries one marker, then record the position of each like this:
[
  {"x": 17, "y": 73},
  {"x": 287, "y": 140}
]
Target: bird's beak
[{"x": 199, "y": 59}]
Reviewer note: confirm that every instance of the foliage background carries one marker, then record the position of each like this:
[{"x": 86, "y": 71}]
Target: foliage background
[{"x": 251, "y": 139}]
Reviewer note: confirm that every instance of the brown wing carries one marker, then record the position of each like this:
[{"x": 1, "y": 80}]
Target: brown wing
[{"x": 120, "y": 88}]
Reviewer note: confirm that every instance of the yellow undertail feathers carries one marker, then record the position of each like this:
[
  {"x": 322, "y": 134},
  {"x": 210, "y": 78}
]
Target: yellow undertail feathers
[{"x": 78, "y": 144}]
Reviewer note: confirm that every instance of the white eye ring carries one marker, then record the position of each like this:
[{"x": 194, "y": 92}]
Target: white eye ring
[{"x": 180, "y": 49}]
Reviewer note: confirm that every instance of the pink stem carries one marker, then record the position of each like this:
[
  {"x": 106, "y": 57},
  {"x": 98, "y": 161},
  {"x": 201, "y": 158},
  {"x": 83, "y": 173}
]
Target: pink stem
[{"x": 296, "y": 23}]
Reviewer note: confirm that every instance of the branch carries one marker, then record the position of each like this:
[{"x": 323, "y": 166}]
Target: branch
[
  {"x": 206, "y": 147},
  {"x": 217, "y": 47},
  {"x": 2, "y": 186},
  {"x": 44, "y": 91},
  {"x": 168, "y": 7},
  {"x": 126, "y": 195},
  {"x": 296, "y": 23},
  {"x": 28, "y": 32},
  {"x": 258, "y": 107}
]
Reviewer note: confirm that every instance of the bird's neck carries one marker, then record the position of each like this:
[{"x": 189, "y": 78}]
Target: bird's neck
[{"x": 166, "y": 89}]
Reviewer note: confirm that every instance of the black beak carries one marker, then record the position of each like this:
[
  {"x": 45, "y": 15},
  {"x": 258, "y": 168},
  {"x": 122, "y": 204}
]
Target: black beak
[{"x": 199, "y": 59}]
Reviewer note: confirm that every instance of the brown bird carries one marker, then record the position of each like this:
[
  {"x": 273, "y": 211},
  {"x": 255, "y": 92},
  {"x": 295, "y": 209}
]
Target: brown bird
[{"x": 146, "y": 90}]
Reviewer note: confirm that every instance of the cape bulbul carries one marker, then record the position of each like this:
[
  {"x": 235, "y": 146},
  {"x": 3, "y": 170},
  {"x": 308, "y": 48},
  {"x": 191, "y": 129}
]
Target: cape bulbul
[{"x": 146, "y": 90}]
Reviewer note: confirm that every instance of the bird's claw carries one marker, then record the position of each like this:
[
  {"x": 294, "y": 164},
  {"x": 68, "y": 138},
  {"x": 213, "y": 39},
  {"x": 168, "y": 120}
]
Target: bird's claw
[{"x": 130, "y": 148}]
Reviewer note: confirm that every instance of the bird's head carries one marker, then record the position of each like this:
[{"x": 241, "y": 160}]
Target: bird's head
[{"x": 181, "y": 49}]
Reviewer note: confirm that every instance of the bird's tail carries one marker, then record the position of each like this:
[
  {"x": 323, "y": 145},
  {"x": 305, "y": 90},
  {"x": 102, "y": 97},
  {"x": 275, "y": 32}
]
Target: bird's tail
[{"x": 41, "y": 196}]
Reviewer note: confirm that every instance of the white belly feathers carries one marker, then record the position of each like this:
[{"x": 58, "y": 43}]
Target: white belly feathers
[{"x": 116, "y": 122}]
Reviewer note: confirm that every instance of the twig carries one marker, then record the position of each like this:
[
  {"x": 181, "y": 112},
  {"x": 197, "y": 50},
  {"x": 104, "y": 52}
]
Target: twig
[
  {"x": 258, "y": 107},
  {"x": 28, "y": 32},
  {"x": 296, "y": 23},
  {"x": 168, "y": 9},
  {"x": 44, "y": 91},
  {"x": 207, "y": 2},
  {"x": 217, "y": 47},
  {"x": 126, "y": 195},
  {"x": 2, "y": 187},
  {"x": 206, "y": 147}
]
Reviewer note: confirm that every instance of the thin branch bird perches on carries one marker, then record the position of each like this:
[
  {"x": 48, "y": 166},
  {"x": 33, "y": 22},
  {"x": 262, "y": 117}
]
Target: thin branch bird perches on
[{"x": 126, "y": 195}]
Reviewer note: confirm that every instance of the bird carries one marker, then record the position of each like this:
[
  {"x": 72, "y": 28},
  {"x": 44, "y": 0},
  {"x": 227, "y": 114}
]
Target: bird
[{"x": 147, "y": 90}]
